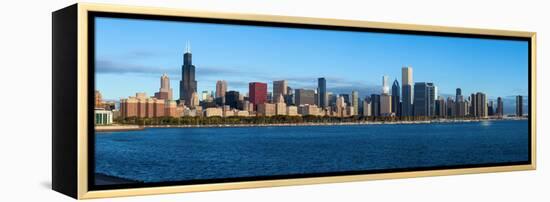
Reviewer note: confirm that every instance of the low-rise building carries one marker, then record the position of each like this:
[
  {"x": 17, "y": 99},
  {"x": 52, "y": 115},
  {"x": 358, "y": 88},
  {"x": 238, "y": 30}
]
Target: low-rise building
[
  {"x": 209, "y": 112},
  {"x": 103, "y": 117},
  {"x": 266, "y": 109},
  {"x": 280, "y": 108},
  {"x": 292, "y": 111}
]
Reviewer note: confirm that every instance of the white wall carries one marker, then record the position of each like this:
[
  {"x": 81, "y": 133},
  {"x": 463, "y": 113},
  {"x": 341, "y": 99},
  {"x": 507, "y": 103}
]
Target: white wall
[{"x": 25, "y": 71}]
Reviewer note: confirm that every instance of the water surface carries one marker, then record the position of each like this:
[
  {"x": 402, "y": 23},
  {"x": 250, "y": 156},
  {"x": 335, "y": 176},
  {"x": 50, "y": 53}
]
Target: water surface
[{"x": 180, "y": 154}]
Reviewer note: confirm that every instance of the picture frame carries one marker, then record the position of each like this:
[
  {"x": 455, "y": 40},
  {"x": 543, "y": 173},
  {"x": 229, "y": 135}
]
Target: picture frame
[{"x": 73, "y": 72}]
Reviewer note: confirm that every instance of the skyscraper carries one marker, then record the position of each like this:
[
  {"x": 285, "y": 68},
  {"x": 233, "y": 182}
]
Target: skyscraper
[
  {"x": 395, "y": 98},
  {"x": 366, "y": 107},
  {"x": 385, "y": 105},
  {"x": 473, "y": 105},
  {"x": 440, "y": 107},
  {"x": 385, "y": 85},
  {"x": 459, "y": 97},
  {"x": 279, "y": 90},
  {"x": 304, "y": 97},
  {"x": 490, "y": 109},
  {"x": 407, "y": 91},
  {"x": 375, "y": 104},
  {"x": 323, "y": 97},
  {"x": 431, "y": 96},
  {"x": 188, "y": 84},
  {"x": 481, "y": 102},
  {"x": 424, "y": 99},
  {"x": 500, "y": 107},
  {"x": 221, "y": 88},
  {"x": 232, "y": 99},
  {"x": 519, "y": 106},
  {"x": 257, "y": 93},
  {"x": 165, "y": 92},
  {"x": 355, "y": 102},
  {"x": 451, "y": 107},
  {"x": 346, "y": 99}
]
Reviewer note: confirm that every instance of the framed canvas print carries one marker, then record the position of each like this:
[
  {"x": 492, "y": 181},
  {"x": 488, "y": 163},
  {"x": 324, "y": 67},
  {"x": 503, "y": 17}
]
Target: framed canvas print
[{"x": 156, "y": 100}]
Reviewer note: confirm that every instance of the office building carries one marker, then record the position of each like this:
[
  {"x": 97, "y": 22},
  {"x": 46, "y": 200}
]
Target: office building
[
  {"x": 366, "y": 108},
  {"x": 188, "y": 84},
  {"x": 214, "y": 111},
  {"x": 431, "y": 96},
  {"x": 462, "y": 108},
  {"x": 473, "y": 105},
  {"x": 98, "y": 100},
  {"x": 194, "y": 102},
  {"x": 421, "y": 99},
  {"x": 346, "y": 98},
  {"x": 142, "y": 106},
  {"x": 407, "y": 91},
  {"x": 375, "y": 104},
  {"x": 279, "y": 90},
  {"x": 490, "y": 109},
  {"x": 385, "y": 105},
  {"x": 304, "y": 97},
  {"x": 440, "y": 107},
  {"x": 519, "y": 106},
  {"x": 221, "y": 89},
  {"x": 500, "y": 107},
  {"x": 291, "y": 110},
  {"x": 165, "y": 92},
  {"x": 355, "y": 102},
  {"x": 232, "y": 99},
  {"x": 451, "y": 107},
  {"x": 458, "y": 96},
  {"x": 396, "y": 98},
  {"x": 322, "y": 91},
  {"x": 385, "y": 85},
  {"x": 257, "y": 93},
  {"x": 481, "y": 105},
  {"x": 266, "y": 109}
]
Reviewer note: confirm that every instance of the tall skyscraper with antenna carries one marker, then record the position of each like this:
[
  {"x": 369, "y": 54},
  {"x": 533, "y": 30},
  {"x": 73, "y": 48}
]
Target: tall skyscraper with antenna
[{"x": 188, "y": 84}]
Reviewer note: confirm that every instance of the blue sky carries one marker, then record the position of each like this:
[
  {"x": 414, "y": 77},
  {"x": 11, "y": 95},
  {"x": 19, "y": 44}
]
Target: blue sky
[{"x": 131, "y": 55}]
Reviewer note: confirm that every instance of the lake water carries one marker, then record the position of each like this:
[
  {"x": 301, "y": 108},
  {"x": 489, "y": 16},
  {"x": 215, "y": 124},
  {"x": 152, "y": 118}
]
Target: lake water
[{"x": 181, "y": 154}]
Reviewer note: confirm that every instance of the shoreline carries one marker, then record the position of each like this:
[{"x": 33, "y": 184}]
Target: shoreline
[{"x": 121, "y": 128}]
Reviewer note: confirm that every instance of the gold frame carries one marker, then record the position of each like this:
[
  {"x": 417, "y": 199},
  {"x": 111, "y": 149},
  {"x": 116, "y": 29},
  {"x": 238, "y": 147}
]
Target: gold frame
[{"x": 84, "y": 193}]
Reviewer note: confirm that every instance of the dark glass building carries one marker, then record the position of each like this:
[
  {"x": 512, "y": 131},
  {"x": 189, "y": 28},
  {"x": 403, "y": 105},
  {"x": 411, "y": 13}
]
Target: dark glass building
[
  {"x": 500, "y": 107},
  {"x": 430, "y": 87},
  {"x": 322, "y": 86},
  {"x": 188, "y": 84},
  {"x": 395, "y": 98},
  {"x": 459, "y": 97},
  {"x": 424, "y": 99},
  {"x": 407, "y": 102},
  {"x": 375, "y": 104},
  {"x": 519, "y": 105},
  {"x": 232, "y": 99},
  {"x": 346, "y": 99}
]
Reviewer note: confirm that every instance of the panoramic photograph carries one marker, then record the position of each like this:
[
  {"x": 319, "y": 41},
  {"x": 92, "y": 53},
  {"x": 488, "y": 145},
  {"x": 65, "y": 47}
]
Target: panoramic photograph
[{"x": 200, "y": 102}]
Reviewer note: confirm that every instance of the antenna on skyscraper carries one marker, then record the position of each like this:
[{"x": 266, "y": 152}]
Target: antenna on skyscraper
[{"x": 188, "y": 47}]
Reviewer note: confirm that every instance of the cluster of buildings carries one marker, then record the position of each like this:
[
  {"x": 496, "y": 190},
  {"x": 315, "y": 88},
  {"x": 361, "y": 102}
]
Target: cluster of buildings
[{"x": 410, "y": 99}]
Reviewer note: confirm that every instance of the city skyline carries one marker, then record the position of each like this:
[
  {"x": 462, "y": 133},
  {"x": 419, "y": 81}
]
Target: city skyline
[{"x": 108, "y": 67}]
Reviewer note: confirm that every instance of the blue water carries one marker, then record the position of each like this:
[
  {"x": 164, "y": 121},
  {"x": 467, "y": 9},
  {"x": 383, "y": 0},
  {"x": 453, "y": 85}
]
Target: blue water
[{"x": 180, "y": 154}]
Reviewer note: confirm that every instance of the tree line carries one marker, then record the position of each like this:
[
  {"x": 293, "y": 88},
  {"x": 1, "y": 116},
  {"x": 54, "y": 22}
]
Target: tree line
[{"x": 278, "y": 119}]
